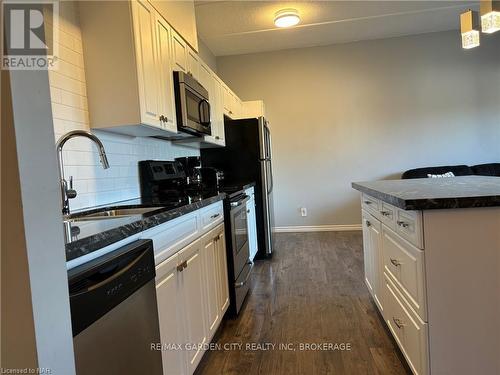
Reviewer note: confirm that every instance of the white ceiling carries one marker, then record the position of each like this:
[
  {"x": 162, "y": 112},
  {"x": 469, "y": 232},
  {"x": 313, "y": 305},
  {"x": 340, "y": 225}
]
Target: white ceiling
[{"x": 239, "y": 27}]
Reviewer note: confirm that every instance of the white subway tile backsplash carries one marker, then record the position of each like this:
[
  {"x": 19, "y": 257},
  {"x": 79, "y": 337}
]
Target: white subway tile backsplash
[{"x": 94, "y": 185}]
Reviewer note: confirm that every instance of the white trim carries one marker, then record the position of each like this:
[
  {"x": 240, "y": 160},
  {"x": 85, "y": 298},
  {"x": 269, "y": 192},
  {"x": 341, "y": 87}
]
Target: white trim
[{"x": 317, "y": 228}]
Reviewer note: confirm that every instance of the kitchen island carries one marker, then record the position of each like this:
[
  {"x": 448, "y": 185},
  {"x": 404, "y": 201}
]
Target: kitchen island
[{"x": 432, "y": 265}]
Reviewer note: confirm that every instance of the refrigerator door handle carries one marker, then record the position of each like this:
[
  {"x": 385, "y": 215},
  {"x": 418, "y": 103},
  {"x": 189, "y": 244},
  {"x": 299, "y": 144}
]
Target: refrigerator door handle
[
  {"x": 271, "y": 179},
  {"x": 269, "y": 143}
]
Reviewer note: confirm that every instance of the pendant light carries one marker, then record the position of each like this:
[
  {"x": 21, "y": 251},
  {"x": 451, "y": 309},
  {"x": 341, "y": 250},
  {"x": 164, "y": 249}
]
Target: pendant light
[
  {"x": 470, "y": 36},
  {"x": 490, "y": 16}
]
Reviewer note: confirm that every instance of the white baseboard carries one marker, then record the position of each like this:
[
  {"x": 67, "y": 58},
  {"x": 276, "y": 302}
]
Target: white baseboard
[{"x": 317, "y": 228}]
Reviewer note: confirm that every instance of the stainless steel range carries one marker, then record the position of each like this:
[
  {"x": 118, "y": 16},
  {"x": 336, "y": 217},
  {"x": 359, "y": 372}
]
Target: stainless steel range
[{"x": 239, "y": 264}]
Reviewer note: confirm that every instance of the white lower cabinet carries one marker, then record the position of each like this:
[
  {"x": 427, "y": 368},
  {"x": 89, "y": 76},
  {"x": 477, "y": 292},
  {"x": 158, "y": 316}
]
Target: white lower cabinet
[
  {"x": 395, "y": 277},
  {"x": 372, "y": 240},
  {"x": 193, "y": 289},
  {"x": 192, "y": 295},
  {"x": 409, "y": 331},
  {"x": 222, "y": 278},
  {"x": 169, "y": 296},
  {"x": 209, "y": 245}
]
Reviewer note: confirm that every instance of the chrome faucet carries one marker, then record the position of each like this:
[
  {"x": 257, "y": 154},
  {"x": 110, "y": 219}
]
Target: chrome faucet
[{"x": 67, "y": 191}]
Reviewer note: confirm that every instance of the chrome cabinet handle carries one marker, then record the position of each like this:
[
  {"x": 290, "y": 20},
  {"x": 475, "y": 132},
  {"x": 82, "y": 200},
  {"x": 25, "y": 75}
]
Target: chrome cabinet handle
[
  {"x": 368, "y": 224},
  {"x": 368, "y": 202},
  {"x": 403, "y": 224},
  {"x": 398, "y": 322},
  {"x": 385, "y": 213},
  {"x": 217, "y": 137},
  {"x": 214, "y": 216},
  {"x": 395, "y": 262},
  {"x": 248, "y": 211}
]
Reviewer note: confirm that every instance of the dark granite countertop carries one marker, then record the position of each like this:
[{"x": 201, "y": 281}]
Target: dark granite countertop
[
  {"x": 435, "y": 193},
  {"x": 92, "y": 235}
]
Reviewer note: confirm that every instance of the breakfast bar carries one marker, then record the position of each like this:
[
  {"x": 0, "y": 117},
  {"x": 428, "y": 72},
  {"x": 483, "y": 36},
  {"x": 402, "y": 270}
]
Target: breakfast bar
[{"x": 432, "y": 256}]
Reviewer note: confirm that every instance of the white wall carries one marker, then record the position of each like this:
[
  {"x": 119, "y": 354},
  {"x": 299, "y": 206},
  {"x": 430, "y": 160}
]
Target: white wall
[
  {"x": 207, "y": 55},
  {"x": 369, "y": 110},
  {"x": 95, "y": 186}
]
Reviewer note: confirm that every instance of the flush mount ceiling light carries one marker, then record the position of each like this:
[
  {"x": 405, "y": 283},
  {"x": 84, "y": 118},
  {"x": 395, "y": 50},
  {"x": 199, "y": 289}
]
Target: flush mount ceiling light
[
  {"x": 470, "y": 36},
  {"x": 490, "y": 16},
  {"x": 286, "y": 18}
]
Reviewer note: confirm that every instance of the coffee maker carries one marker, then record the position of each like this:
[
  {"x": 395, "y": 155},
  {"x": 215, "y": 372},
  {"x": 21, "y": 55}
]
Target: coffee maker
[
  {"x": 192, "y": 166},
  {"x": 213, "y": 178}
]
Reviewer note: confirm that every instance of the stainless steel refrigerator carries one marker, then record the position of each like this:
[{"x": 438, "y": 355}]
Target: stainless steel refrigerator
[{"x": 246, "y": 158}]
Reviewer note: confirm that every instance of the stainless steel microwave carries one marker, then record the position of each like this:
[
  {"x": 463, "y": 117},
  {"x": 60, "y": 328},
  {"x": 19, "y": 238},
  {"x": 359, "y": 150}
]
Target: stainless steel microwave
[{"x": 191, "y": 105}]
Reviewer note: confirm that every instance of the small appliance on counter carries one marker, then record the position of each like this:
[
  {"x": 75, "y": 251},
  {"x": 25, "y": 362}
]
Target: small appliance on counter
[
  {"x": 191, "y": 166},
  {"x": 212, "y": 178},
  {"x": 164, "y": 182}
]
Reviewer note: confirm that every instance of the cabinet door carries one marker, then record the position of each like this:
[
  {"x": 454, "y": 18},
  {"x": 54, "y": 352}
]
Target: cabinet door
[
  {"x": 220, "y": 112},
  {"x": 376, "y": 252},
  {"x": 193, "y": 64},
  {"x": 168, "y": 295},
  {"x": 179, "y": 52},
  {"x": 166, "y": 85},
  {"x": 145, "y": 40},
  {"x": 209, "y": 243},
  {"x": 222, "y": 279},
  {"x": 194, "y": 303},
  {"x": 227, "y": 100},
  {"x": 367, "y": 252},
  {"x": 372, "y": 239}
]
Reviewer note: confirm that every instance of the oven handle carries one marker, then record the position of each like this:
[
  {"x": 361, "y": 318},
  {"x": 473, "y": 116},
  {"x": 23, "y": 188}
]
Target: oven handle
[
  {"x": 242, "y": 283},
  {"x": 240, "y": 202}
]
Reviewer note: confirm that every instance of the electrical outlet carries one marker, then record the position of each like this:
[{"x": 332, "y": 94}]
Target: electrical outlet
[{"x": 303, "y": 211}]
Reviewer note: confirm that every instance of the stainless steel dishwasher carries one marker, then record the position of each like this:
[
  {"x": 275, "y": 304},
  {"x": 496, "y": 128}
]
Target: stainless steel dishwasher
[{"x": 114, "y": 313}]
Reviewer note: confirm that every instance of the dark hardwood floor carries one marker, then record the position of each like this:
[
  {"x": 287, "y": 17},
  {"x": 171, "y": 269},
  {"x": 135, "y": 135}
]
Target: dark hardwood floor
[{"x": 312, "y": 291}]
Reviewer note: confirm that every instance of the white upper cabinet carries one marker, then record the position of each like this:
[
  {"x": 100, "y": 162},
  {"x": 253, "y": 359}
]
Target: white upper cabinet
[
  {"x": 124, "y": 68},
  {"x": 143, "y": 16},
  {"x": 179, "y": 53},
  {"x": 166, "y": 87},
  {"x": 193, "y": 64},
  {"x": 130, "y": 53},
  {"x": 254, "y": 108},
  {"x": 218, "y": 118}
]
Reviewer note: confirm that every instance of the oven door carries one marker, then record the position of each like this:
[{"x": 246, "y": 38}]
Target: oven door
[
  {"x": 239, "y": 233},
  {"x": 195, "y": 110}
]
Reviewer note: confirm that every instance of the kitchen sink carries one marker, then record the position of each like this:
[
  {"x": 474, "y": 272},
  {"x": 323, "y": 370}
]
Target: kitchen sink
[{"x": 111, "y": 214}]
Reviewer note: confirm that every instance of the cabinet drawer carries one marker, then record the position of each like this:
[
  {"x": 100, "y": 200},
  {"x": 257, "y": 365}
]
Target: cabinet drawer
[
  {"x": 409, "y": 331},
  {"x": 405, "y": 264},
  {"x": 211, "y": 216},
  {"x": 388, "y": 215},
  {"x": 409, "y": 226},
  {"x": 371, "y": 204},
  {"x": 172, "y": 236}
]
